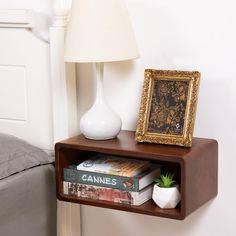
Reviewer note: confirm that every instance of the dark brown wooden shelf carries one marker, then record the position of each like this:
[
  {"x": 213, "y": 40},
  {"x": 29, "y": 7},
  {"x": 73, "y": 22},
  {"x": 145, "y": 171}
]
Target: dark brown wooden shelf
[{"x": 196, "y": 169}]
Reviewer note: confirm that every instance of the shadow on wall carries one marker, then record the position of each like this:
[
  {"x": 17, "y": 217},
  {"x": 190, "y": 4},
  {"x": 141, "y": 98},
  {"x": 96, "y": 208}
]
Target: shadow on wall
[
  {"x": 139, "y": 225},
  {"x": 123, "y": 89},
  {"x": 121, "y": 68},
  {"x": 216, "y": 113}
]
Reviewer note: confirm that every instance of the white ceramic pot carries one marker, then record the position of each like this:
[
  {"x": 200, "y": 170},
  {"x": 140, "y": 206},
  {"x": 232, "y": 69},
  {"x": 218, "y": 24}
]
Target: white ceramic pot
[{"x": 166, "y": 197}]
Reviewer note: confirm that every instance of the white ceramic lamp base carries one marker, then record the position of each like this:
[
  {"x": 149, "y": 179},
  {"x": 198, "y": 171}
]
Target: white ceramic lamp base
[{"x": 100, "y": 122}]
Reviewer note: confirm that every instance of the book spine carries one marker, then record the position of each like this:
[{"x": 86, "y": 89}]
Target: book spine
[
  {"x": 104, "y": 180},
  {"x": 100, "y": 193}
]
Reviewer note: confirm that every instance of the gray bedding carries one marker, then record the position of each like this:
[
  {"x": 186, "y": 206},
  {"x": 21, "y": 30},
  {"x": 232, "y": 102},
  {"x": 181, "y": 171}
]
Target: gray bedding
[
  {"x": 17, "y": 155},
  {"x": 27, "y": 189},
  {"x": 28, "y": 203}
]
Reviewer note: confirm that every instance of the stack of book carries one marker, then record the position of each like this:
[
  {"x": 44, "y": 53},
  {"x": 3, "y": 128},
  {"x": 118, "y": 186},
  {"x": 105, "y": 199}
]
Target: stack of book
[{"x": 111, "y": 178}]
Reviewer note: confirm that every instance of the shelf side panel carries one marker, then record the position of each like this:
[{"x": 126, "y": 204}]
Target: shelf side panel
[{"x": 201, "y": 176}]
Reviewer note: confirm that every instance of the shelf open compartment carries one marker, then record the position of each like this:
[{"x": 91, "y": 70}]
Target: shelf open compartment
[{"x": 196, "y": 170}]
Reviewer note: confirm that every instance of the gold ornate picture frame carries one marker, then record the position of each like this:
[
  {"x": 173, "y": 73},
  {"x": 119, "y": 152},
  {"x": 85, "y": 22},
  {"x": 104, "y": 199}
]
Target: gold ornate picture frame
[{"x": 168, "y": 107}]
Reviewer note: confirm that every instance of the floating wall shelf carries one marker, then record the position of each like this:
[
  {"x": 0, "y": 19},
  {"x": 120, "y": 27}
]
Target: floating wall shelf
[{"x": 196, "y": 169}]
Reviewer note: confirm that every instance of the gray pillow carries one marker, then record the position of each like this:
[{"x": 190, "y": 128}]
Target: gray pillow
[{"x": 17, "y": 155}]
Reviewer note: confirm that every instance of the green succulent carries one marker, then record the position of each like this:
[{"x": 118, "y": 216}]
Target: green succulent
[{"x": 166, "y": 181}]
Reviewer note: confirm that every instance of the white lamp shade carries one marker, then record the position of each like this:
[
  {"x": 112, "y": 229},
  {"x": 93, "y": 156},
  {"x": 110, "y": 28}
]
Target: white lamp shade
[{"x": 99, "y": 31}]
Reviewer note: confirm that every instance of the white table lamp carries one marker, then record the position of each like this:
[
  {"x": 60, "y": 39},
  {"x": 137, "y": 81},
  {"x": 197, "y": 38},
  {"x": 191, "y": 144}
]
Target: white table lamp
[{"x": 99, "y": 31}]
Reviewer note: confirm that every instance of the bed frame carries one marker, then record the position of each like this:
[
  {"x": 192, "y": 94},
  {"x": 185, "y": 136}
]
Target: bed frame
[{"x": 39, "y": 89}]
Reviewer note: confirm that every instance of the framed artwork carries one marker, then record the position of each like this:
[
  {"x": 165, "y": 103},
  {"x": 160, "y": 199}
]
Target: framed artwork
[{"x": 168, "y": 107}]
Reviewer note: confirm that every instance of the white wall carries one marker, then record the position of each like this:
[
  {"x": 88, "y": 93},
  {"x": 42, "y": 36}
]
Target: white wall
[{"x": 189, "y": 35}]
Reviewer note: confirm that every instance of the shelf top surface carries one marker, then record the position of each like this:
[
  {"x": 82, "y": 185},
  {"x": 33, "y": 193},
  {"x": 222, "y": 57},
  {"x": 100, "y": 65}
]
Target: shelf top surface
[{"x": 125, "y": 144}]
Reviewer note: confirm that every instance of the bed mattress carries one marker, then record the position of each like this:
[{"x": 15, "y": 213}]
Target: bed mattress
[{"x": 28, "y": 203}]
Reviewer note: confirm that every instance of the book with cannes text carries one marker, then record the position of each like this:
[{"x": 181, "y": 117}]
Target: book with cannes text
[
  {"x": 107, "y": 194},
  {"x": 134, "y": 183}
]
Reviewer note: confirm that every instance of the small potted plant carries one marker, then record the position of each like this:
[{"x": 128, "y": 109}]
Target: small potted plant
[{"x": 166, "y": 192}]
